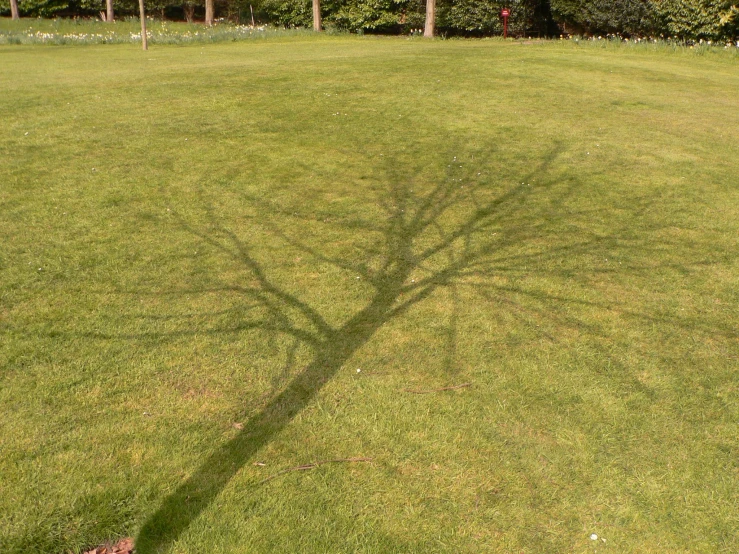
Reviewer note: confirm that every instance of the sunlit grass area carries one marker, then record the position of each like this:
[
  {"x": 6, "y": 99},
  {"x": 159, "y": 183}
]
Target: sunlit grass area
[
  {"x": 127, "y": 30},
  {"x": 221, "y": 262}
]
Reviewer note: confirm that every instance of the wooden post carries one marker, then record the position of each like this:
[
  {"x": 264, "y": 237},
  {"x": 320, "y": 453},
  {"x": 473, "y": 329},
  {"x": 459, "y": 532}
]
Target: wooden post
[
  {"x": 142, "y": 15},
  {"x": 317, "y": 15},
  {"x": 14, "y": 9},
  {"x": 109, "y": 11},
  {"x": 429, "y": 26}
]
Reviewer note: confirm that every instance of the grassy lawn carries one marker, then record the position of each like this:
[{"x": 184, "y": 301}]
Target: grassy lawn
[
  {"x": 220, "y": 262},
  {"x": 128, "y": 30}
]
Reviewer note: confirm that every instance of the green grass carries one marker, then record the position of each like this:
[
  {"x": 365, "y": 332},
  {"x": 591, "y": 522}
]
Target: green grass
[
  {"x": 65, "y": 31},
  {"x": 201, "y": 236},
  {"x": 125, "y": 31}
]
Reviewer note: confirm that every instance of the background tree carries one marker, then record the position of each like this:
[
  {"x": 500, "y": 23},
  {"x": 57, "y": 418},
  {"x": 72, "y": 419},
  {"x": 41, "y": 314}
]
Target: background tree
[
  {"x": 686, "y": 19},
  {"x": 39, "y": 8},
  {"x": 142, "y": 17},
  {"x": 430, "y": 24},
  {"x": 209, "y": 12},
  {"x": 700, "y": 19},
  {"x": 627, "y": 17},
  {"x": 188, "y": 9},
  {"x": 478, "y": 18},
  {"x": 317, "y": 15},
  {"x": 730, "y": 22},
  {"x": 378, "y": 15},
  {"x": 471, "y": 16}
]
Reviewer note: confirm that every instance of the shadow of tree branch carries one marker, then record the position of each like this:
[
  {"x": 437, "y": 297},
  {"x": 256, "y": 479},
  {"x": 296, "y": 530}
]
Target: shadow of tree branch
[
  {"x": 408, "y": 246},
  {"x": 428, "y": 240}
]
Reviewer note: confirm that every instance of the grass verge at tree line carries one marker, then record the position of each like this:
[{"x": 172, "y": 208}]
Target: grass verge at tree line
[
  {"x": 84, "y": 32},
  {"x": 221, "y": 264}
]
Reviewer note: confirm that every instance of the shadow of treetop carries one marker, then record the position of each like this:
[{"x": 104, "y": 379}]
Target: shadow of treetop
[{"x": 419, "y": 237}]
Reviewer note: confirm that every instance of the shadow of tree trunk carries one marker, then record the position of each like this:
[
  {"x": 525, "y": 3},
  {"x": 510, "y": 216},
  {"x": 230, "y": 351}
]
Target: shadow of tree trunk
[{"x": 184, "y": 505}]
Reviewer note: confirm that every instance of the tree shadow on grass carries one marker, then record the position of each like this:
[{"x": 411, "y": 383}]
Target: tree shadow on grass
[{"x": 429, "y": 239}]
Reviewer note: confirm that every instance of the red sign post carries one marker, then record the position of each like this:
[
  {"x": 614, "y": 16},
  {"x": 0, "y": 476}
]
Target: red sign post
[{"x": 505, "y": 13}]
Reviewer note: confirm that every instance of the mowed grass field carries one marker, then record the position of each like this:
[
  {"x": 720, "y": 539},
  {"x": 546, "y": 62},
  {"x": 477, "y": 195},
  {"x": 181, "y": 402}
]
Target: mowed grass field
[{"x": 221, "y": 262}]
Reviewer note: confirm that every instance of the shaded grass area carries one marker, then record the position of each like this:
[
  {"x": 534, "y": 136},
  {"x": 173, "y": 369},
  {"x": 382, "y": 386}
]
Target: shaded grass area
[{"x": 194, "y": 238}]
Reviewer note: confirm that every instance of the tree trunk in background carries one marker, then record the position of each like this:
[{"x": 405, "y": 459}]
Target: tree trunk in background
[
  {"x": 209, "y": 12},
  {"x": 14, "y": 9},
  {"x": 317, "y": 15},
  {"x": 142, "y": 15},
  {"x": 109, "y": 11},
  {"x": 428, "y": 28}
]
